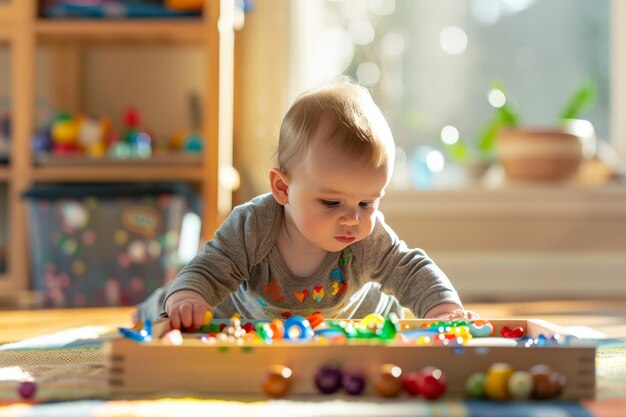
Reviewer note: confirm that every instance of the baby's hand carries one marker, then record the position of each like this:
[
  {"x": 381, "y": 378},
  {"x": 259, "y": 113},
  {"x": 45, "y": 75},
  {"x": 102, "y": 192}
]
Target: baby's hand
[
  {"x": 459, "y": 314},
  {"x": 186, "y": 310}
]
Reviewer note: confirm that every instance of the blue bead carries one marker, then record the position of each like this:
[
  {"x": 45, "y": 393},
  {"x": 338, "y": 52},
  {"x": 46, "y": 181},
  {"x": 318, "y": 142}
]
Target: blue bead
[{"x": 303, "y": 330}]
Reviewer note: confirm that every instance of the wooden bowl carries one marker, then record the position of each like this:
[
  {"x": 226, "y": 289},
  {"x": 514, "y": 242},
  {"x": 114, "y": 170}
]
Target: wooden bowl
[{"x": 538, "y": 154}]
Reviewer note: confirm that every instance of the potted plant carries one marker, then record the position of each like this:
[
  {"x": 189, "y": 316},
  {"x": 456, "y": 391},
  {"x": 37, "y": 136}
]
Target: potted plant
[
  {"x": 526, "y": 153},
  {"x": 546, "y": 154}
]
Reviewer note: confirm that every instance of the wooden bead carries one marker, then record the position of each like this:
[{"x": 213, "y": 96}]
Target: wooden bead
[
  {"x": 277, "y": 381},
  {"x": 388, "y": 382}
]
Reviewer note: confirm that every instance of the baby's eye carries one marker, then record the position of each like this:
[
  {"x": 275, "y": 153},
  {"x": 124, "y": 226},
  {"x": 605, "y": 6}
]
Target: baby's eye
[
  {"x": 366, "y": 204},
  {"x": 329, "y": 203}
]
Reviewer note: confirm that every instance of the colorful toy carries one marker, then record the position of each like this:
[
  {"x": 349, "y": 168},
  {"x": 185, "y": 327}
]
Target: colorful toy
[
  {"x": 353, "y": 381},
  {"x": 481, "y": 328},
  {"x": 333, "y": 358},
  {"x": 547, "y": 384},
  {"x": 387, "y": 382},
  {"x": 520, "y": 385},
  {"x": 26, "y": 389},
  {"x": 431, "y": 382},
  {"x": 297, "y": 327},
  {"x": 496, "y": 381},
  {"x": 328, "y": 379},
  {"x": 515, "y": 333},
  {"x": 277, "y": 381},
  {"x": 475, "y": 385}
]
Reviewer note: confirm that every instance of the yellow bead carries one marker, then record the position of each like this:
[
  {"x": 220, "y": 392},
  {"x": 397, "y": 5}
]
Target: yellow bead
[
  {"x": 208, "y": 317},
  {"x": 497, "y": 381}
]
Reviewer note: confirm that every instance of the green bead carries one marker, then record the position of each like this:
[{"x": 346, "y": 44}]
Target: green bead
[
  {"x": 389, "y": 330},
  {"x": 475, "y": 385}
]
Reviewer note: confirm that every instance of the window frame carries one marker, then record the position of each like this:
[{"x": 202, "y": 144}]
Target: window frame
[{"x": 618, "y": 78}]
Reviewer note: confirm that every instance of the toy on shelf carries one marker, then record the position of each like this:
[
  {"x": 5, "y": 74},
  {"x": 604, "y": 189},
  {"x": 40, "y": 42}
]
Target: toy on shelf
[
  {"x": 74, "y": 137},
  {"x": 112, "y": 9},
  {"x": 381, "y": 356}
]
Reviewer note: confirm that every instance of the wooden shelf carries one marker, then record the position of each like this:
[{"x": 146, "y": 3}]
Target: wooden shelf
[
  {"x": 117, "y": 173},
  {"x": 6, "y": 10},
  {"x": 212, "y": 34},
  {"x": 152, "y": 30}
]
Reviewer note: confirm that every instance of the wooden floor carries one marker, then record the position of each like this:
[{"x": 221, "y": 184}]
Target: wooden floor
[{"x": 588, "y": 318}]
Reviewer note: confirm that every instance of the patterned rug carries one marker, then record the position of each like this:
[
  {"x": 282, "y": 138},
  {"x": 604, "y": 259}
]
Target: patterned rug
[{"x": 69, "y": 369}]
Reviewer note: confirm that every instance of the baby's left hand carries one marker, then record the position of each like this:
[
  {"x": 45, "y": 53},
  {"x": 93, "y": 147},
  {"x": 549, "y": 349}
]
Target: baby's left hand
[{"x": 459, "y": 314}]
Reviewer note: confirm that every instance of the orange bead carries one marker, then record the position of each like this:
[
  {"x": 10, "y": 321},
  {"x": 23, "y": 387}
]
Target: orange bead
[
  {"x": 388, "y": 382},
  {"x": 315, "y": 319},
  {"x": 277, "y": 381},
  {"x": 278, "y": 329}
]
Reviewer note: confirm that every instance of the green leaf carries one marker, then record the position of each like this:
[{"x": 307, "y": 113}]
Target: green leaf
[
  {"x": 505, "y": 116},
  {"x": 459, "y": 151},
  {"x": 583, "y": 99}
]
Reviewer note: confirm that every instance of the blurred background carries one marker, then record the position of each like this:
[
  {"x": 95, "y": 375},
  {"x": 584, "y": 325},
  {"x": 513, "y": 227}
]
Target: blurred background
[{"x": 507, "y": 115}]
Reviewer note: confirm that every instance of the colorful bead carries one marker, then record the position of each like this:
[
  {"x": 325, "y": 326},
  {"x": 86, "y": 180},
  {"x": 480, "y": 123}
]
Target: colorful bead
[
  {"x": 387, "y": 382},
  {"x": 547, "y": 384},
  {"x": 328, "y": 379},
  {"x": 520, "y": 385},
  {"x": 297, "y": 327},
  {"x": 278, "y": 329},
  {"x": 277, "y": 381},
  {"x": 26, "y": 389},
  {"x": 208, "y": 317},
  {"x": 409, "y": 382},
  {"x": 315, "y": 319},
  {"x": 497, "y": 380},
  {"x": 431, "y": 382},
  {"x": 475, "y": 385},
  {"x": 514, "y": 333},
  {"x": 371, "y": 322},
  {"x": 481, "y": 328},
  {"x": 353, "y": 381},
  {"x": 390, "y": 327}
]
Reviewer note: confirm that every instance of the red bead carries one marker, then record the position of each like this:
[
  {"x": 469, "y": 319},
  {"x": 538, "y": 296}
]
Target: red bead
[
  {"x": 431, "y": 382},
  {"x": 248, "y": 327},
  {"x": 410, "y": 383},
  {"x": 26, "y": 389},
  {"x": 515, "y": 333}
]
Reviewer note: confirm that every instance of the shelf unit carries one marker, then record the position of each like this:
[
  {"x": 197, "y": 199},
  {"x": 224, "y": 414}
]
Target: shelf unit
[{"x": 20, "y": 27}]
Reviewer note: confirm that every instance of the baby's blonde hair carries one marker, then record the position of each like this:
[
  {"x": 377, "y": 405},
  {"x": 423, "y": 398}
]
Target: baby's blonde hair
[{"x": 356, "y": 125}]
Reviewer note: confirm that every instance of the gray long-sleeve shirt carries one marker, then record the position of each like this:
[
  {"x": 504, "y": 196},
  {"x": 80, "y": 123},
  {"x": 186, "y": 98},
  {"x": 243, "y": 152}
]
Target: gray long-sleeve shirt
[{"x": 241, "y": 270}]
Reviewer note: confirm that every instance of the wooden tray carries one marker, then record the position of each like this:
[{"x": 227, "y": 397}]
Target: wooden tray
[{"x": 238, "y": 370}]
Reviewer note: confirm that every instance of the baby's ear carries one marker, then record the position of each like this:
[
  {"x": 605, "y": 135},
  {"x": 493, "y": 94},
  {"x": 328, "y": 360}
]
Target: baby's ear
[{"x": 278, "y": 184}]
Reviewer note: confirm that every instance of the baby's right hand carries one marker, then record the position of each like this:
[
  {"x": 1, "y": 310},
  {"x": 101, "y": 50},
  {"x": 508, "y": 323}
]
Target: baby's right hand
[{"x": 186, "y": 309}]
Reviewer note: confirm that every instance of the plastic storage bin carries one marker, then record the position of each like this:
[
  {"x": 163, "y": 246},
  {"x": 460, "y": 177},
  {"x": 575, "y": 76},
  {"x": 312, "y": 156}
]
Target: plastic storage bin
[{"x": 105, "y": 244}]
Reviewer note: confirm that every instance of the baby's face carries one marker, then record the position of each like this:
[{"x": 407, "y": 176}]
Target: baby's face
[{"x": 333, "y": 199}]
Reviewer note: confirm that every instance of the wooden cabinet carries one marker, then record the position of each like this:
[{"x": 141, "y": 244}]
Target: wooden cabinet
[{"x": 23, "y": 32}]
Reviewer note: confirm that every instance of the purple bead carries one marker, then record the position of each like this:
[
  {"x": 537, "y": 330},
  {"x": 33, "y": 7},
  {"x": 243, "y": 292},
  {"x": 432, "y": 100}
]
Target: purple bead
[
  {"x": 328, "y": 379},
  {"x": 27, "y": 389},
  {"x": 353, "y": 382}
]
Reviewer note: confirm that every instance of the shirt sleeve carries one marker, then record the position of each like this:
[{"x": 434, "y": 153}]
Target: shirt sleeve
[
  {"x": 408, "y": 274},
  {"x": 226, "y": 260}
]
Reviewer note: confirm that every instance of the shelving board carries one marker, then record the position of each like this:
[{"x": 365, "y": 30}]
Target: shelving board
[
  {"x": 117, "y": 173},
  {"x": 153, "y": 30}
]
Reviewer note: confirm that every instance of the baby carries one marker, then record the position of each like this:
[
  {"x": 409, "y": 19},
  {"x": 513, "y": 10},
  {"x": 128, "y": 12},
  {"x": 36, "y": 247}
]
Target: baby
[{"x": 318, "y": 242}]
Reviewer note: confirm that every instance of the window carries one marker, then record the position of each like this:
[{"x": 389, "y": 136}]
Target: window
[{"x": 432, "y": 64}]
